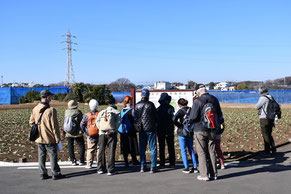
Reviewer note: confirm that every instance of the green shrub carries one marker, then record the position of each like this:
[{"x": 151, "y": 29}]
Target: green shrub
[
  {"x": 59, "y": 96},
  {"x": 32, "y": 96},
  {"x": 71, "y": 96},
  {"x": 22, "y": 100}
]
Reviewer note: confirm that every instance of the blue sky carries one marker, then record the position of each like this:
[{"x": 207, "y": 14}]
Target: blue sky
[{"x": 146, "y": 41}]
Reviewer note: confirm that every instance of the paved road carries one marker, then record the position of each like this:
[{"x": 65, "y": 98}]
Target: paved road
[{"x": 256, "y": 175}]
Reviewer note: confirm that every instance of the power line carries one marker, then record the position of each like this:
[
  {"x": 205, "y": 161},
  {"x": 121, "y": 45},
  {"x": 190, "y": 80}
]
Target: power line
[{"x": 70, "y": 76}]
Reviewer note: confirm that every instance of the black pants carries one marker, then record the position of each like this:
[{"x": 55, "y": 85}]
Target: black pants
[
  {"x": 266, "y": 129},
  {"x": 128, "y": 145},
  {"x": 110, "y": 141},
  {"x": 171, "y": 148},
  {"x": 80, "y": 141}
]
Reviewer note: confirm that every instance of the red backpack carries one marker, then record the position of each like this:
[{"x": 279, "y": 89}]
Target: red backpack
[{"x": 91, "y": 124}]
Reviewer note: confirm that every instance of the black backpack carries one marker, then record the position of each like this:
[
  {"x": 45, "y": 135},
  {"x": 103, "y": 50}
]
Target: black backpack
[
  {"x": 187, "y": 126},
  {"x": 273, "y": 109}
]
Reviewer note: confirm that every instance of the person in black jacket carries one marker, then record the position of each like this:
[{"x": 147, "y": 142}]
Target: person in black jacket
[
  {"x": 185, "y": 141},
  {"x": 145, "y": 119},
  {"x": 204, "y": 137},
  {"x": 166, "y": 129}
]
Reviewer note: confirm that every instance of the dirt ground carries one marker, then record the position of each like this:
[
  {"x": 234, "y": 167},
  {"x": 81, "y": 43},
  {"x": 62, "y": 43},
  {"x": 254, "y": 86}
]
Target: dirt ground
[{"x": 55, "y": 104}]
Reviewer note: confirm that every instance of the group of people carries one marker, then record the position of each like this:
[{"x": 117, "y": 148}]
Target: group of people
[{"x": 152, "y": 124}]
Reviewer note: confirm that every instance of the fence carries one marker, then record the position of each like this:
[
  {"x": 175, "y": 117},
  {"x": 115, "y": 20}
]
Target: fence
[{"x": 11, "y": 95}]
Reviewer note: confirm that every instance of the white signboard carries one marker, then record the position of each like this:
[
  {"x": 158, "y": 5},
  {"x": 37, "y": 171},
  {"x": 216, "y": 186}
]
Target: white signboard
[{"x": 175, "y": 94}]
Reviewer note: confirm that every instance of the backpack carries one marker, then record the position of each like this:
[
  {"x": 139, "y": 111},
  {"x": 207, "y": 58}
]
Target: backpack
[
  {"x": 70, "y": 124},
  {"x": 107, "y": 121},
  {"x": 273, "y": 109},
  {"x": 91, "y": 124},
  {"x": 125, "y": 125},
  {"x": 210, "y": 120},
  {"x": 187, "y": 126}
]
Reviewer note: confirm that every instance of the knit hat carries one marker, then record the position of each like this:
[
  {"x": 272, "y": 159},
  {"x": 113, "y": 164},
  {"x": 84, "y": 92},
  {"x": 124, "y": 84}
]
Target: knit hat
[
  {"x": 263, "y": 90},
  {"x": 72, "y": 104},
  {"x": 45, "y": 93},
  {"x": 93, "y": 104},
  {"x": 145, "y": 92}
]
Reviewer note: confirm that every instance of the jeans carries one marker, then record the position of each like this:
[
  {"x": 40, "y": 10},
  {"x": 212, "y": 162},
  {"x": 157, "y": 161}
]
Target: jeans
[
  {"x": 187, "y": 142},
  {"x": 80, "y": 141},
  {"x": 152, "y": 138},
  {"x": 52, "y": 151}
]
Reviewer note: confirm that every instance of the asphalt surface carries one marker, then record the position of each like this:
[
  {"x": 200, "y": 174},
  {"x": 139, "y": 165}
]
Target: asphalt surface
[{"x": 255, "y": 175}]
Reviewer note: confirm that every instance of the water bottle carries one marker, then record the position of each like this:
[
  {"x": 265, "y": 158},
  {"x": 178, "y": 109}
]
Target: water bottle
[{"x": 276, "y": 121}]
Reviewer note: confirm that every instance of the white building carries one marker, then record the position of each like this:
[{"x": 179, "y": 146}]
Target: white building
[
  {"x": 222, "y": 86},
  {"x": 162, "y": 85}
]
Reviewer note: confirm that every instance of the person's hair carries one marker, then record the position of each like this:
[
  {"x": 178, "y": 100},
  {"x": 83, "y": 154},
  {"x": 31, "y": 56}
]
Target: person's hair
[
  {"x": 182, "y": 102},
  {"x": 126, "y": 100}
]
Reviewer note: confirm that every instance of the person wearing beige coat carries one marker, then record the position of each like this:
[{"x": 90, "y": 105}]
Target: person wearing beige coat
[{"x": 49, "y": 135}]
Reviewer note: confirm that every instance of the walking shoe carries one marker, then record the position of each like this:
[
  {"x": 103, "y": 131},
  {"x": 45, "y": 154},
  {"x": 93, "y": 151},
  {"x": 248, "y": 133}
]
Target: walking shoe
[
  {"x": 199, "y": 177},
  {"x": 74, "y": 163},
  {"x": 89, "y": 166},
  {"x": 58, "y": 176},
  {"x": 213, "y": 177},
  {"x": 194, "y": 170},
  {"x": 222, "y": 167},
  {"x": 154, "y": 170},
  {"x": 142, "y": 169},
  {"x": 110, "y": 173},
  {"x": 44, "y": 176},
  {"x": 186, "y": 171},
  {"x": 82, "y": 163},
  {"x": 100, "y": 172}
]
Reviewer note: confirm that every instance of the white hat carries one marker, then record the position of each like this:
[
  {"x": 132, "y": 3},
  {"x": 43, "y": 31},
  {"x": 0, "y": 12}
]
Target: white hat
[{"x": 93, "y": 104}]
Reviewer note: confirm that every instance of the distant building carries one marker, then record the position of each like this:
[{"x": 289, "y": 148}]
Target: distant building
[
  {"x": 223, "y": 86},
  {"x": 162, "y": 85},
  {"x": 178, "y": 85}
]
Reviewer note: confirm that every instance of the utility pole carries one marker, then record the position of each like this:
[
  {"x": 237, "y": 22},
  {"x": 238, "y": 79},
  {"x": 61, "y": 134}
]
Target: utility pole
[
  {"x": 2, "y": 80},
  {"x": 70, "y": 77}
]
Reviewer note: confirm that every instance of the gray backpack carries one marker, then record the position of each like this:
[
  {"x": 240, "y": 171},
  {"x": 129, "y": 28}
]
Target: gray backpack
[{"x": 70, "y": 124}]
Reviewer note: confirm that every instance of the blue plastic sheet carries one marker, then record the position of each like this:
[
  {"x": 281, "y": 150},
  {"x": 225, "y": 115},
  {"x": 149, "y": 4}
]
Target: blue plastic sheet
[
  {"x": 11, "y": 95},
  {"x": 119, "y": 96},
  {"x": 250, "y": 96}
]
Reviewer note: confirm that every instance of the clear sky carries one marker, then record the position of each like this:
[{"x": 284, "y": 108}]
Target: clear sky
[{"x": 146, "y": 40}]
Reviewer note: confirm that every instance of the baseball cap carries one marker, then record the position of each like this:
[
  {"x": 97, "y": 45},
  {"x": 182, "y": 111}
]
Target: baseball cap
[
  {"x": 145, "y": 92},
  {"x": 45, "y": 93}
]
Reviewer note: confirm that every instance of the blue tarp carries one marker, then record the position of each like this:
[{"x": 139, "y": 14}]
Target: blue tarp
[
  {"x": 250, "y": 96},
  {"x": 11, "y": 95},
  {"x": 119, "y": 96}
]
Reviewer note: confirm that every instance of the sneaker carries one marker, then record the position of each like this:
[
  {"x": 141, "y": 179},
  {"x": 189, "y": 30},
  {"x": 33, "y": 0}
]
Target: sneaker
[
  {"x": 74, "y": 163},
  {"x": 110, "y": 173},
  {"x": 194, "y": 170},
  {"x": 88, "y": 166},
  {"x": 153, "y": 170},
  {"x": 100, "y": 172},
  {"x": 186, "y": 171},
  {"x": 58, "y": 176},
  {"x": 44, "y": 176},
  {"x": 142, "y": 169},
  {"x": 82, "y": 163},
  {"x": 213, "y": 177},
  {"x": 222, "y": 167},
  {"x": 199, "y": 177}
]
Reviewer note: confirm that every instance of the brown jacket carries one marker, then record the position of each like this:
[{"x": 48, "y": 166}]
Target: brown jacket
[{"x": 49, "y": 127}]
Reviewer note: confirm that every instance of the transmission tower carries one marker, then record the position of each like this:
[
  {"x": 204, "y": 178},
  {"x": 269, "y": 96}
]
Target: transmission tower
[{"x": 70, "y": 77}]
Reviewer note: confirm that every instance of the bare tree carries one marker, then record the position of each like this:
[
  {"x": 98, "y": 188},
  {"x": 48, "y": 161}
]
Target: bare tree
[{"x": 121, "y": 84}]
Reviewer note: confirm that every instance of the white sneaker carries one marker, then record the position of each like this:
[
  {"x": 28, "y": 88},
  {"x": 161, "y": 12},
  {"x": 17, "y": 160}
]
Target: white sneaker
[
  {"x": 110, "y": 173},
  {"x": 100, "y": 172},
  {"x": 89, "y": 166},
  {"x": 199, "y": 177},
  {"x": 222, "y": 167}
]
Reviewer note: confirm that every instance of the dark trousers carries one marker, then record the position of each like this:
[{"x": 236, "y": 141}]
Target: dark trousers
[
  {"x": 171, "y": 149},
  {"x": 110, "y": 141},
  {"x": 127, "y": 147},
  {"x": 52, "y": 151},
  {"x": 80, "y": 141},
  {"x": 266, "y": 129}
]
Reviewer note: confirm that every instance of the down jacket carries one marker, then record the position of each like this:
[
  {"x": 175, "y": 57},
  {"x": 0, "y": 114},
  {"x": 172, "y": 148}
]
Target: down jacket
[{"x": 146, "y": 113}]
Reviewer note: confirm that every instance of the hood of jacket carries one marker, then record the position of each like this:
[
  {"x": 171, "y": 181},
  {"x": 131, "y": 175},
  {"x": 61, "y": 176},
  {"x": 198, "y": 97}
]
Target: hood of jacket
[
  {"x": 165, "y": 98},
  {"x": 72, "y": 112}
]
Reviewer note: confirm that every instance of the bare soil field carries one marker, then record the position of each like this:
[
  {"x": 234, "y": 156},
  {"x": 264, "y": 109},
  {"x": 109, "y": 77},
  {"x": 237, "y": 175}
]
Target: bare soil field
[{"x": 241, "y": 137}]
